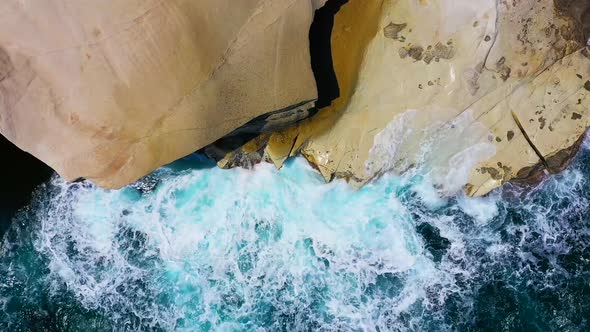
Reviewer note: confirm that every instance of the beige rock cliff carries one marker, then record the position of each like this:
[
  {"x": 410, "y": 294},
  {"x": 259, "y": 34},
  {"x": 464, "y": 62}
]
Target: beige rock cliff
[
  {"x": 474, "y": 92},
  {"x": 110, "y": 90}
]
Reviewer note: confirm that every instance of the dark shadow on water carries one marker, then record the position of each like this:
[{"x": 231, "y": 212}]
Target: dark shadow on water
[
  {"x": 195, "y": 160},
  {"x": 21, "y": 174}
]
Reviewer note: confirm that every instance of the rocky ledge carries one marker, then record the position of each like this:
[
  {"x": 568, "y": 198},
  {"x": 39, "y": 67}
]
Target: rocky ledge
[
  {"x": 475, "y": 92},
  {"x": 109, "y": 90}
]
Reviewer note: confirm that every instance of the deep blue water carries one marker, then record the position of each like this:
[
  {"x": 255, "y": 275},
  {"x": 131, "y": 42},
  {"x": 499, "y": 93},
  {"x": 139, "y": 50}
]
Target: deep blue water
[{"x": 196, "y": 248}]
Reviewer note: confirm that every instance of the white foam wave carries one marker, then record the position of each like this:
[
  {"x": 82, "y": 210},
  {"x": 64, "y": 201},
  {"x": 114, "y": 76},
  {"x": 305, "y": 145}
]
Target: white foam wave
[
  {"x": 447, "y": 148},
  {"x": 212, "y": 239},
  {"x": 265, "y": 250}
]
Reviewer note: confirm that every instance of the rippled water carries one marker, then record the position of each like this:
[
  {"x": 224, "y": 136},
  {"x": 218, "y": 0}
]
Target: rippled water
[{"x": 197, "y": 248}]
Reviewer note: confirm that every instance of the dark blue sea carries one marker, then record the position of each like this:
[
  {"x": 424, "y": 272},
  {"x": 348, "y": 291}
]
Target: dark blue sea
[{"x": 196, "y": 248}]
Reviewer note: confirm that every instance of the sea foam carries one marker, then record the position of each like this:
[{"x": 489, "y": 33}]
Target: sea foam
[{"x": 198, "y": 248}]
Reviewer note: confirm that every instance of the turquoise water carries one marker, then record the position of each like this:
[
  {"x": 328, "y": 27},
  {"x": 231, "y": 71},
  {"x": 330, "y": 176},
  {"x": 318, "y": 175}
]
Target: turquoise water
[{"x": 196, "y": 248}]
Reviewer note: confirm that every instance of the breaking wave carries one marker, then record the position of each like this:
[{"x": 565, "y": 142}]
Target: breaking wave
[{"x": 197, "y": 248}]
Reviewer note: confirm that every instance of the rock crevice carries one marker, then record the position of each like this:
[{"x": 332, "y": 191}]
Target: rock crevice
[{"x": 526, "y": 136}]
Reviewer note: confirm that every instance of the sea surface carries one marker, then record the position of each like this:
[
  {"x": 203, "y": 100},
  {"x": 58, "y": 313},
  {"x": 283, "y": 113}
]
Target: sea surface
[{"x": 196, "y": 248}]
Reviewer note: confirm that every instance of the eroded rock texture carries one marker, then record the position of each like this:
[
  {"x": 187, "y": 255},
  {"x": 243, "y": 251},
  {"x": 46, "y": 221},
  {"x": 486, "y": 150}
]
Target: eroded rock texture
[
  {"x": 497, "y": 93},
  {"x": 474, "y": 92},
  {"x": 109, "y": 90}
]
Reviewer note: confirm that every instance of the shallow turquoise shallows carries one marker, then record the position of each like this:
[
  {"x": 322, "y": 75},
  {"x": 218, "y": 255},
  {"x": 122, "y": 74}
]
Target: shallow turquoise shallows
[{"x": 196, "y": 248}]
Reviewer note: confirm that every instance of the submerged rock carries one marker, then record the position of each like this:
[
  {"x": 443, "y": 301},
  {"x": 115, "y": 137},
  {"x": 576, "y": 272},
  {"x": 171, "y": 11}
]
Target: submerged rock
[
  {"x": 497, "y": 93},
  {"x": 111, "y": 90}
]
